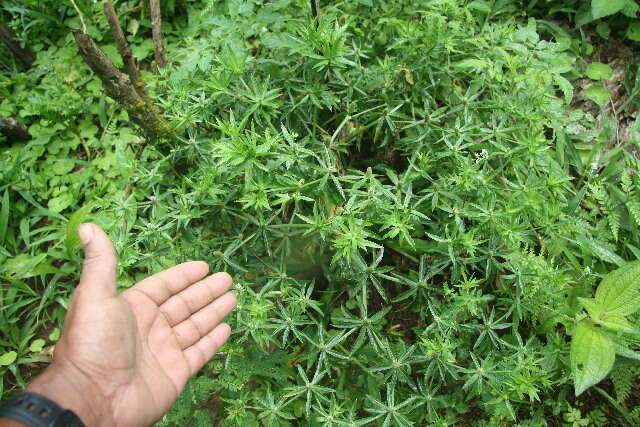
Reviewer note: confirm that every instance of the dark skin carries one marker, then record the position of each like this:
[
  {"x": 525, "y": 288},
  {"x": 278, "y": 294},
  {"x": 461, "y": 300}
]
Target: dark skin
[{"x": 123, "y": 359}]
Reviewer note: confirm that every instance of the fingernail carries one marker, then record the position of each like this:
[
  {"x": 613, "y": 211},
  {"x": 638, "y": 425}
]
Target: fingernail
[{"x": 85, "y": 232}]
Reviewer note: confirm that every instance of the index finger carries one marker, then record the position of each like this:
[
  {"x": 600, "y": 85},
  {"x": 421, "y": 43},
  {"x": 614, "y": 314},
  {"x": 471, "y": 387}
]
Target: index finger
[{"x": 161, "y": 286}]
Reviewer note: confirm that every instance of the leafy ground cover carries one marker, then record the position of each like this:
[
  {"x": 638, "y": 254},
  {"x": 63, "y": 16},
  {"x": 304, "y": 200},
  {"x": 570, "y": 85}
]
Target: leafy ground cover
[{"x": 430, "y": 208}]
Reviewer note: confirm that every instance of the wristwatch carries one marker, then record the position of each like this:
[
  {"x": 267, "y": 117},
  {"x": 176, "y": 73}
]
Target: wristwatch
[{"x": 35, "y": 410}]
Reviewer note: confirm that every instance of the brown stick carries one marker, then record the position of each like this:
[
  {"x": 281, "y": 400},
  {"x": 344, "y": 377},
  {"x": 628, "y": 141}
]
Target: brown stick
[
  {"x": 13, "y": 130},
  {"x": 156, "y": 31},
  {"x": 118, "y": 86},
  {"x": 315, "y": 9},
  {"x": 125, "y": 52},
  {"x": 8, "y": 38}
]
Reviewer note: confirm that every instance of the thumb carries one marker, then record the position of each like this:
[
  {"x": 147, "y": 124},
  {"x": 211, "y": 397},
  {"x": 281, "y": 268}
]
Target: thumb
[{"x": 99, "y": 267}]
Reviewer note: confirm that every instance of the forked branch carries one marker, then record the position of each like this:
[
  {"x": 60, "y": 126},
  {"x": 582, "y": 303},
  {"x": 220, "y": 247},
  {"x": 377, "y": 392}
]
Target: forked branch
[{"x": 118, "y": 86}]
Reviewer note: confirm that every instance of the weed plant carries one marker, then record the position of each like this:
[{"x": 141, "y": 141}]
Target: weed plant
[{"x": 412, "y": 212}]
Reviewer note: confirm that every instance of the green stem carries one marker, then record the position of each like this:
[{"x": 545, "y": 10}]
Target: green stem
[{"x": 616, "y": 405}]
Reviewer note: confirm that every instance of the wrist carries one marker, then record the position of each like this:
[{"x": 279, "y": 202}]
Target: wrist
[{"x": 72, "y": 390}]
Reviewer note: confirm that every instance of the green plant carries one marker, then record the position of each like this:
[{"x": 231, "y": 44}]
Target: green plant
[
  {"x": 596, "y": 341},
  {"x": 413, "y": 211},
  {"x": 621, "y": 15}
]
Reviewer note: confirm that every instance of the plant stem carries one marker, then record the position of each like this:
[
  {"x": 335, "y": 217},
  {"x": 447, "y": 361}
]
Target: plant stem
[{"x": 616, "y": 405}]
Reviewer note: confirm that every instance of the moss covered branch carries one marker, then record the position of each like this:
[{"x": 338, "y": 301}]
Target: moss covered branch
[{"x": 119, "y": 87}]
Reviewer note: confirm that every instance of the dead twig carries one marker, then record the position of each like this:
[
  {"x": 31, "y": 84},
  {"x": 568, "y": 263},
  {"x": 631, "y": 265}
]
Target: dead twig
[
  {"x": 125, "y": 52},
  {"x": 156, "y": 31}
]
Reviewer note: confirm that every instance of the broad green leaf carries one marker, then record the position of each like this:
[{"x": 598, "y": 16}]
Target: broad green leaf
[
  {"x": 630, "y": 9},
  {"x": 37, "y": 345},
  {"x": 602, "y": 8},
  {"x": 633, "y": 31},
  {"x": 133, "y": 26},
  {"x": 481, "y": 6},
  {"x": 618, "y": 293},
  {"x": 593, "y": 308},
  {"x": 54, "y": 335},
  {"x": 599, "y": 71},
  {"x": 598, "y": 94},
  {"x": 616, "y": 322},
  {"x": 8, "y": 358},
  {"x": 63, "y": 166},
  {"x": 112, "y": 53},
  {"x": 472, "y": 63},
  {"x": 603, "y": 30},
  {"x": 600, "y": 251},
  {"x": 592, "y": 356},
  {"x": 61, "y": 202},
  {"x": 624, "y": 351}
]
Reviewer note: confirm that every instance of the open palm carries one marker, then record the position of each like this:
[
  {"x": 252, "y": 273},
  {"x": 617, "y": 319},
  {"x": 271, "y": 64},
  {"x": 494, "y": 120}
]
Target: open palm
[{"x": 135, "y": 351}]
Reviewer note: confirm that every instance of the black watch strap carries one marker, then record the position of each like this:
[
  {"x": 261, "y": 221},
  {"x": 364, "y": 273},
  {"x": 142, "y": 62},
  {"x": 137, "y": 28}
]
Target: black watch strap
[{"x": 35, "y": 410}]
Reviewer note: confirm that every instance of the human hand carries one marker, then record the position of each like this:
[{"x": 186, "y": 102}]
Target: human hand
[{"x": 123, "y": 359}]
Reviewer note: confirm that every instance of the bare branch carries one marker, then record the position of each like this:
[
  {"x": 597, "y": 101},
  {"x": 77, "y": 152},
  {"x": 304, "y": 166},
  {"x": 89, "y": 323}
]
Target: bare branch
[
  {"x": 118, "y": 86},
  {"x": 125, "y": 52},
  {"x": 156, "y": 31}
]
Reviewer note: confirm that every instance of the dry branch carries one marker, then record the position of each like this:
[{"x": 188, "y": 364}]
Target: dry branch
[
  {"x": 125, "y": 52},
  {"x": 156, "y": 31},
  {"x": 315, "y": 9},
  {"x": 8, "y": 38},
  {"x": 13, "y": 130},
  {"x": 118, "y": 86}
]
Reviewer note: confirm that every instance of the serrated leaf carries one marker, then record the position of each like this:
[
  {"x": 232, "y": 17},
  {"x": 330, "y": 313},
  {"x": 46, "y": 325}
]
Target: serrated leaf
[
  {"x": 598, "y": 94},
  {"x": 8, "y": 358},
  {"x": 618, "y": 291},
  {"x": 616, "y": 322},
  {"x": 565, "y": 86},
  {"x": 592, "y": 356},
  {"x": 602, "y": 8},
  {"x": 599, "y": 71},
  {"x": 600, "y": 251},
  {"x": 624, "y": 351}
]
